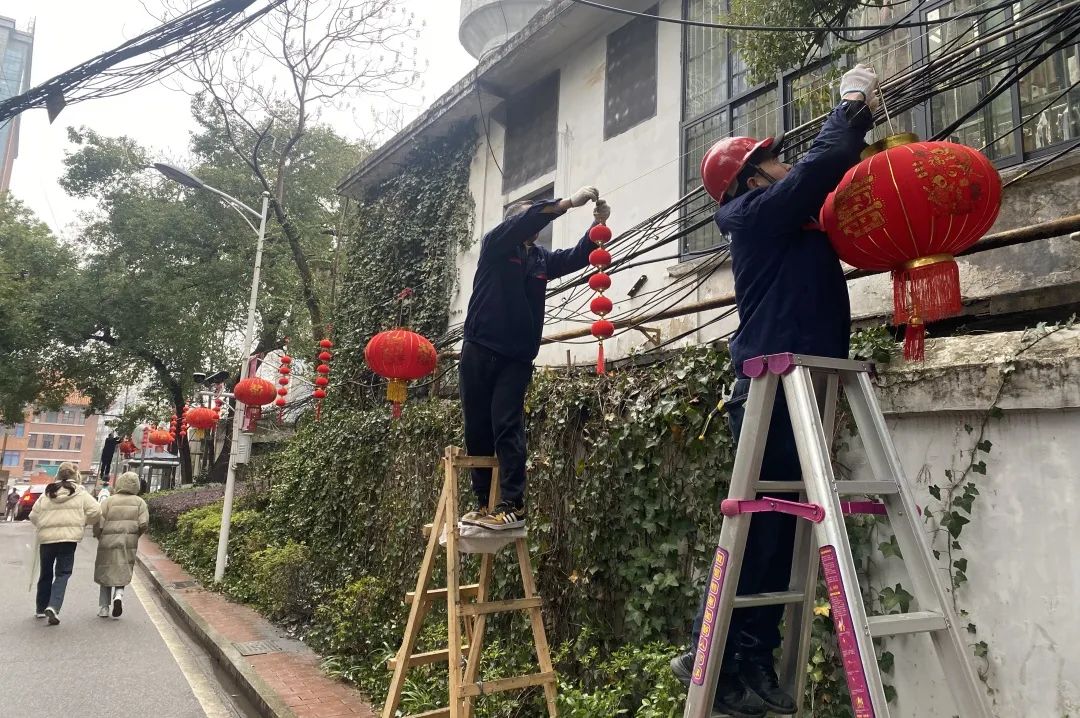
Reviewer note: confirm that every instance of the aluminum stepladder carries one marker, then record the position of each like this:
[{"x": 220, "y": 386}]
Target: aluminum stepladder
[
  {"x": 464, "y": 651},
  {"x": 822, "y": 536}
]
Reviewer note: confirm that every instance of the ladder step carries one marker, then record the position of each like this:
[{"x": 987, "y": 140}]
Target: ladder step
[
  {"x": 844, "y": 488},
  {"x": 476, "y": 462},
  {"x": 423, "y": 659},
  {"x": 506, "y": 684},
  {"x": 518, "y": 604},
  {"x": 439, "y": 594},
  {"x": 900, "y": 623},
  {"x": 437, "y": 713},
  {"x": 775, "y": 598}
]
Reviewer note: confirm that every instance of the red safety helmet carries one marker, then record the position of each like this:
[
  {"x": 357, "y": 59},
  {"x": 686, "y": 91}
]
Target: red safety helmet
[{"x": 721, "y": 165}]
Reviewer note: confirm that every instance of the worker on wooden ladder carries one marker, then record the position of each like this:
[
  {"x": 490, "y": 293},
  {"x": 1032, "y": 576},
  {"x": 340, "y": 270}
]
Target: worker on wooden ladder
[
  {"x": 503, "y": 327},
  {"x": 792, "y": 297}
]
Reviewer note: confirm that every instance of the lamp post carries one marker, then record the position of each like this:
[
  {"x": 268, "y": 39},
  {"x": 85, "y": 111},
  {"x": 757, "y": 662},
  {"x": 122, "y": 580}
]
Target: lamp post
[{"x": 189, "y": 180}]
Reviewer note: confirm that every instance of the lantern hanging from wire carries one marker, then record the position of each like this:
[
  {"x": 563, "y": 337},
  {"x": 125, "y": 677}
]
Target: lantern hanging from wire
[
  {"x": 599, "y": 282},
  {"x": 160, "y": 437},
  {"x": 128, "y": 448},
  {"x": 910, "y": 207},
  {"x": 322, "y": 380},
  {"x": 201, "y": 418},
  {"x": 401, "y": 356},
  {"x": 254, "y": 391}
]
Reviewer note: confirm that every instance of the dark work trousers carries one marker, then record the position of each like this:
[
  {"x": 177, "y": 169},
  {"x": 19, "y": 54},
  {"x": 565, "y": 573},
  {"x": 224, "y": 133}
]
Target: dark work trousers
[
  {"x": 493, "y": 400},
  {"x": 52, "y": 581},
  {"x": 754, "y": 633}
]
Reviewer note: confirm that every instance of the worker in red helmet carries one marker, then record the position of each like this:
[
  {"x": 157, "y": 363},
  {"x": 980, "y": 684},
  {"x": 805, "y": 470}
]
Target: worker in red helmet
[{"x": 792, "y": 297}]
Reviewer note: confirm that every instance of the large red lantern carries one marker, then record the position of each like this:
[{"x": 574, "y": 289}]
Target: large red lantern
[
  {"x": 910, "y": 207},
  {"x": 401, "y": 356},
  {"x": 127, "y": 447},
  {"x": 254, "y": 391},
  {"x": 160, "y": 437},
  {"x": 202, "y": 418}
]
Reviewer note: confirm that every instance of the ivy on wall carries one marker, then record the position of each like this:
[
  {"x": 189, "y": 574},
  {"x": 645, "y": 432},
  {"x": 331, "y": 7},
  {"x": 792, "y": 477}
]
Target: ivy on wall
[{"x": 405, "y": 233}]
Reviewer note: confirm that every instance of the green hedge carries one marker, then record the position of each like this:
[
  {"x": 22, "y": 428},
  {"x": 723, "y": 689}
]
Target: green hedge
[{"x": 626, "y": 472}]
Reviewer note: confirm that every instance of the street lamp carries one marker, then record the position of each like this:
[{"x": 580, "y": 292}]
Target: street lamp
[{"x": 189, "y": 180}]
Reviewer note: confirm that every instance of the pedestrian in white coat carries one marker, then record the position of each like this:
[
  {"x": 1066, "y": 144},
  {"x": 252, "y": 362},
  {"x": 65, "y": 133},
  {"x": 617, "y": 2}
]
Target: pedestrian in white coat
[{"x": 61, "y": 516}]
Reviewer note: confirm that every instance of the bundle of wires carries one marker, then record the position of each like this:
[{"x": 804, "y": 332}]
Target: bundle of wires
[{"x": 143, "y": 59}]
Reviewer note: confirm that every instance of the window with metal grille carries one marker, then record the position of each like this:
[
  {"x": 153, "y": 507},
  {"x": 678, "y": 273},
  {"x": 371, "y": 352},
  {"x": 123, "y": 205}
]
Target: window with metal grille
[
  {"x": 630, "y": 87},
  {"x": 532, "y": 131}
]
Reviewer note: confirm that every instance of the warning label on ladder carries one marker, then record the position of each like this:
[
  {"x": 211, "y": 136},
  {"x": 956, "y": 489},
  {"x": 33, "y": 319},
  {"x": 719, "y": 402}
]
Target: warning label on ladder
[
  {"x": 845, "y": 635},
  {"x": 716, "y": 582}
]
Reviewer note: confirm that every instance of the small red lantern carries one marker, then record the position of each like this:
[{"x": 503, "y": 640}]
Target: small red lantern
[
  {"x": 254, "y": 391},
  {"x": 599, "y": 283},
  {"x": 284, "y": 369},
  {"x": 323, "y": 370},
  {"x": 127, "y": 447},
  {"x": 910, "y": 206},
  {"x": 400, "y": 355}
]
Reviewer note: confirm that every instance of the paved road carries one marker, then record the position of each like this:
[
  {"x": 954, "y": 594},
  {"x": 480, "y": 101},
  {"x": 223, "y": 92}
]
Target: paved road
[{"x": 89, "y": 667}]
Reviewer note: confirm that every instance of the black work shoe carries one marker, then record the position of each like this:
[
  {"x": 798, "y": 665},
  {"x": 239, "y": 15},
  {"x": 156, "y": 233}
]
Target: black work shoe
[
  {"x": 732, "y": 698},
  {"x": 683, "y": 667},
  {"x": 736, "y": 700},
  {"x": 760, "y": 679}
]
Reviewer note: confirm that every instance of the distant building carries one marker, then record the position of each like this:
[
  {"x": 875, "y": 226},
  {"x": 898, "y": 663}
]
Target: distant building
[
  {"x": 16, "y": 52},
  {"x": 49, "y": 438}
]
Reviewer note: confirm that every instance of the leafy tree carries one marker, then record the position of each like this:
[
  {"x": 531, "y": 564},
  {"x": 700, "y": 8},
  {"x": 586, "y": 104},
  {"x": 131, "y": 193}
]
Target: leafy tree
[
  {"x": 767, "y": 53},
  {"x": 164, "y": 275},
  {"x": 261, "y": 98},
  {"x": 37, "y": 366}
]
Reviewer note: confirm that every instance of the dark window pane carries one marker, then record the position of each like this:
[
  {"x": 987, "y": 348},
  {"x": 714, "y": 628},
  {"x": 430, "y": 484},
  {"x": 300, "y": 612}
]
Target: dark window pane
[
  {"x": 758, "y": 117},
  {"x": 700, "y": 136},
  {"x": 946, "y": 108},
  {"x": 532, "y": 118},
  {"x": 1053, "y": 119},
  {"x": 813, "y": 94},
  {"x": 706, "y": 58},
  {"x": 47, "y": 441},
  {"x": 630, "y": 92}
]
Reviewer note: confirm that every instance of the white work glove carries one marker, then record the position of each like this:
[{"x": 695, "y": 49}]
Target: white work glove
[
  {"x": 602, "y": 211},
  {"x": 862, "y": 79},
  {"x": 583, "y": 195}
]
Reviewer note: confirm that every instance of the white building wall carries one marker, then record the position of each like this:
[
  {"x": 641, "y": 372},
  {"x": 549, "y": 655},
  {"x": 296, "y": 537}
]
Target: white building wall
[
  {"x": 1023, "y": 569},
  {"x": 637, "y": 172}
]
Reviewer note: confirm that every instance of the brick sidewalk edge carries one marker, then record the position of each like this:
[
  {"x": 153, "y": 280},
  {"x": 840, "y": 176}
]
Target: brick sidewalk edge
[{"x": 220, "y": 649}]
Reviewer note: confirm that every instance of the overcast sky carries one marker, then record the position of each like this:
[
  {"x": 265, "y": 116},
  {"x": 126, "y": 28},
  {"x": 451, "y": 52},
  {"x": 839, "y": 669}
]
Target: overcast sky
[{"x": 71, "y": 31}]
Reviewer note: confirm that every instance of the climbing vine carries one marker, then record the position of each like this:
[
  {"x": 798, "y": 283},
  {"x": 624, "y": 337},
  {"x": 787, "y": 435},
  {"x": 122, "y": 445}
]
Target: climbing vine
[{"x": 406, "y": 233}]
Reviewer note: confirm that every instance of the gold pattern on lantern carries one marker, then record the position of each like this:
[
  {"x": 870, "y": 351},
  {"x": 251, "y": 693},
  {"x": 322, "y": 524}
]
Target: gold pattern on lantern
[{"x": 858, "y": 212}]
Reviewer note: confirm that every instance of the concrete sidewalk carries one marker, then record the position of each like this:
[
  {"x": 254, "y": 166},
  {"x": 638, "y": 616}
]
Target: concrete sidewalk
[{"x": 279, "y": 675}]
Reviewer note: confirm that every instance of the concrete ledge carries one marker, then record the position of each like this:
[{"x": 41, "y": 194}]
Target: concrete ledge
[
  {"x": 266, "y": 700},
  {"x": 963, "y": 374}
]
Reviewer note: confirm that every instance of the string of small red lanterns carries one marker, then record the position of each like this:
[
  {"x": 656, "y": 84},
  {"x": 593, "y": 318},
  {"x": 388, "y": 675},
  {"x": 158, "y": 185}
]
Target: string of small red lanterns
[
  {"x": 285, "y": 370},
  {"x": 599, "y": 282},
  {"x": 323, "y": 370}
]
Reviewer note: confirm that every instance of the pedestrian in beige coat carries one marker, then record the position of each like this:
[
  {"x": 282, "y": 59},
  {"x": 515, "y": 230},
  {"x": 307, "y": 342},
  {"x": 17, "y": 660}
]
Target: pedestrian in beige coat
[
  {"x": 124, "y": 518},
  {"x": 61, "y": 516}
]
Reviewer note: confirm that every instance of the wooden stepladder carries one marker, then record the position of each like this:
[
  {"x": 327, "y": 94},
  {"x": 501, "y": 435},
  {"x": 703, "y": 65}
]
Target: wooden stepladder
[
  {"x": 464, "y": 650},
  {"x": 822, "y": 537}
]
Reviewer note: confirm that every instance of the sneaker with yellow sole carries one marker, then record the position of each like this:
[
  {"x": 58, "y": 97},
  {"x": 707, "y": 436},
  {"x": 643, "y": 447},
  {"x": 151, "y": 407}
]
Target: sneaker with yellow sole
[{"x": 504, "y": 517}]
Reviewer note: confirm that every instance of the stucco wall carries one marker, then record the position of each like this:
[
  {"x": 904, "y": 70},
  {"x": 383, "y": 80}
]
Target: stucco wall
[{"x": 1023, "y": 569}]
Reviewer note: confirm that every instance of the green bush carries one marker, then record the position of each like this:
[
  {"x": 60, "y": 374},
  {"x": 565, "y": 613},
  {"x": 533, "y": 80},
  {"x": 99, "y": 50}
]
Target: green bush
[{"x": 281, "y": 585}]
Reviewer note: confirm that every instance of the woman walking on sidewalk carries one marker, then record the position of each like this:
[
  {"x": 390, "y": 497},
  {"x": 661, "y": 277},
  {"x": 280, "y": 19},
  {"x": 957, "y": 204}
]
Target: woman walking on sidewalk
[
  {"x": 124, "y": 518},
  {"x": 60, "y": 516}
]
